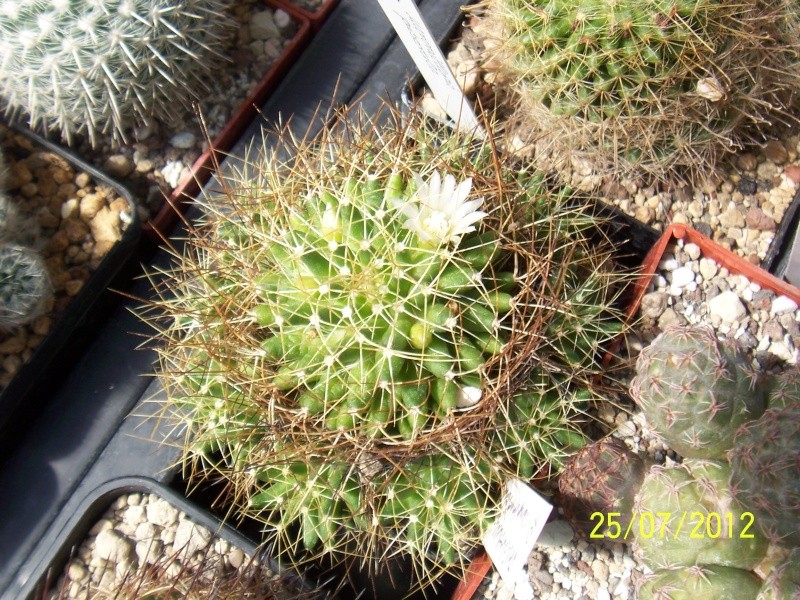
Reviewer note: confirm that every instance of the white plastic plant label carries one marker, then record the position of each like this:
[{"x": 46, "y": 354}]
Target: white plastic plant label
[
  {"x": 415, "y": 35},
  {"x": 510, "y": 539}
]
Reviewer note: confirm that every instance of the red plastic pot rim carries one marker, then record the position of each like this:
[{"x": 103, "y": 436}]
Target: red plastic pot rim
[
  {"x": 203, "y": 167},
  {"x": 710, "y": 249}
]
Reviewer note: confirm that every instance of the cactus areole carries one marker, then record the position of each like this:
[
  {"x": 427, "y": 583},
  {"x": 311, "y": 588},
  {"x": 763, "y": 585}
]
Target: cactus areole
[{"x": 368, "y": 338}]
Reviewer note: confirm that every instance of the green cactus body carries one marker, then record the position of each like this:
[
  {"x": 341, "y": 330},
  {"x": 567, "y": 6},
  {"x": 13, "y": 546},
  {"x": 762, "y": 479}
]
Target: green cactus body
[
  {"x": 700, "y": 582},
  {"x": 603, "y": 477},
  {"x": 766, "y": 472},
  {"x": 25, "y": 287},
  {"x": 146, "y": 55},
  {"x": 696, "y": 391},
  {"x": 351, "y": 330},
  {"x": 653, "y": 84},
  {"x": 783, "y": 581},
  {"x": 694, "y": 519}
]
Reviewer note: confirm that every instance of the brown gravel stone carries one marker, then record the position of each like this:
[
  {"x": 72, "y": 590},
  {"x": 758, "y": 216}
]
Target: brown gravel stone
[
  {"x": 776, "y": 152},
  {"x": 793, "y": 173},
  {"x": 758, "y": 219},
  {"x": 42, "y": 325},
  {"x": 82, "y": 180},
  {"x": 75, "y": 229},
  {"x": 14, "y": 344},
  {"x": 73, "y": 286},
  {"x": 91, "y": 205}
]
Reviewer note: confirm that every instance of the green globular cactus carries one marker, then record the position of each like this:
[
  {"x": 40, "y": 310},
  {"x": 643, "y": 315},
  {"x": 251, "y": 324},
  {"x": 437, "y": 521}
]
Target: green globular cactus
[
  {"x": 388, "y": 325},
  {"x": 765, "y": 472},
  {"x": 783, "y": 580},
  {"x": 603, "y": 477},
  {"x": 687, "y": 515},
  {"x": 653, "y": 85},
  {"x": 96, "y": 68},
  {"x": 696, "y": 391},
  {"x": 700, "y": 582},
  {"x": 24, "y": 285}
]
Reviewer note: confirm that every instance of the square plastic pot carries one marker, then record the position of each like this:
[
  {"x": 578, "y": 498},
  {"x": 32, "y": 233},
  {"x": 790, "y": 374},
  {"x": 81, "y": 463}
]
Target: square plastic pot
[
  {"x": 50, "y": 563},
  {"x": 23, "y": 394}
]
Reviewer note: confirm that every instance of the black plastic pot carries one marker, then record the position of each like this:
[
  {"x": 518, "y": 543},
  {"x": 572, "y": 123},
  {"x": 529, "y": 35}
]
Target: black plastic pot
[
  {"x": 50, "y": 566},
  {"x": 54, "y": 355}
]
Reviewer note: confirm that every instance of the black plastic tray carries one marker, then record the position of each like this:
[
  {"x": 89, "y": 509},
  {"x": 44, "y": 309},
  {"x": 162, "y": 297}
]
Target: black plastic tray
[
  {"x": 25, "y": 391},
  {"x": 51, "y": 565}
]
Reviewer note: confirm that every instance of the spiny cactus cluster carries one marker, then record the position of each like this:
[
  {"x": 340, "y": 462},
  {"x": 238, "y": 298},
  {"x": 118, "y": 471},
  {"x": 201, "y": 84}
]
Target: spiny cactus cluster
[
  {"x": 644, "y": 85},
  {"x": 700, "y": 582},
  {"x": 689, "y": 493},
  {"x": 95, "y": 68},
  {"x": 366, "y": 339},
  {"x": 24, "y": 285},
  {"x": 602, "y": 477},
  {"x": 696, "y": 391},
  {"x": 766, "y": 470}
]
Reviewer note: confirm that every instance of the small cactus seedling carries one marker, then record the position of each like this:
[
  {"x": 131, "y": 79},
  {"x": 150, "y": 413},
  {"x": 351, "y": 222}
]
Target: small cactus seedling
[
  {"x": 24, "y": 285},
  {"x": 696, "y": 391},
  {"x": 146, "y": 56},
  {"x": 700, "y": 582},
  {"x": 383, "y": 327},
  {"x": 766, "y": 472},
  {"x": 644, "y": 85},
  {"x": 674, "y": 504},
  {"x": 603, "y": 477}
]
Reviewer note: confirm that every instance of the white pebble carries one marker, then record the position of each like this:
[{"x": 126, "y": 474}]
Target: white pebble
[
  {"x": 183, "y": 140},
  {"x": 727, "y": 307},
  {"x": 692, "y": 250},
  {"x": 682, "y": 276},
  {"x": 783, "y": 304}
]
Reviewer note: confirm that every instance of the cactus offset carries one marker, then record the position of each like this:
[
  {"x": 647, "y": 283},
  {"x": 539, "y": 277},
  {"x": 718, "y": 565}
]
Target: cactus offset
[
  {"x": 146, "y": 56},
  {"x": 25, "y": 285},
  {"x": 696, "y": 391},
  {"x": 653, "y": 85},
  {"x": 677, "y": 499},
  {"x": 700, "y": 582},
  {"x": 766, "y": 472},
  {"x": 349, "y": 325},
  {"x": 603, "y": 477}
]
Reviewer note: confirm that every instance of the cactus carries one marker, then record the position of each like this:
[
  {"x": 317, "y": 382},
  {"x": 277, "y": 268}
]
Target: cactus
[
  {"x": 784, "y": 389},
  {"x": 25, "y": 287},
  {"x": 700, "y": 582},
  {"x": 654, "y": 85},
  {"x": 351, "y": 331},
  {"x": 696, "y": 391},
  {"x": 783, "y": 580},
  {"x": 766, "y": 472},
  {"x": 603, "y": 477},
  {"x": 688, "y": 516},
  {"x": 146, "y": 56}
]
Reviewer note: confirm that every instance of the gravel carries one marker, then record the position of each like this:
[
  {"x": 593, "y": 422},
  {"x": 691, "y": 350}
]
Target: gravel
[
  {"x": 75, "y": 223},
  {"x": 144, "y": 543}
]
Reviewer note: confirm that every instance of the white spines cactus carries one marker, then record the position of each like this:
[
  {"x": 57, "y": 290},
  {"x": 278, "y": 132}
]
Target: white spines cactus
[
  {"x": 96, "y": 67},
  {"x": 25, "y": 287},
  {"x": 383, "y": 329}
]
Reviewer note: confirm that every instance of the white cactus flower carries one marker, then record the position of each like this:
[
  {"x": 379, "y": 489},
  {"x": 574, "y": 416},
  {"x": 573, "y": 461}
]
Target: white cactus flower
[{"x": 439, "y": 212}]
